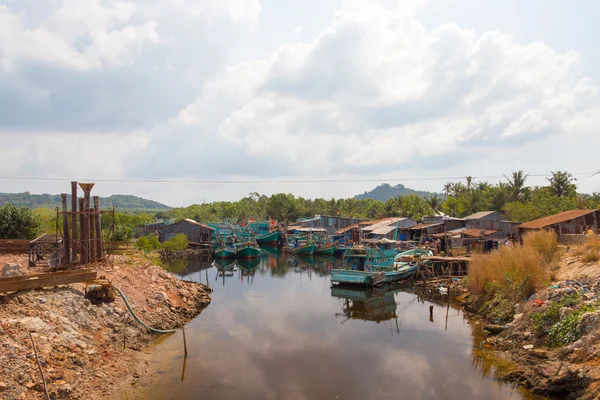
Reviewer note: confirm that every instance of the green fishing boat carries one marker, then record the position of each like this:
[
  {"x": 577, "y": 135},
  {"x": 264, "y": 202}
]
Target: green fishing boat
[
  {"x": 247, "y": 249},
  {"x": 270, "y": 239},
  {"x": 225, "y": 252},
  {"x": 300, "y": 245},
  {"x": 325, "y": 249}
]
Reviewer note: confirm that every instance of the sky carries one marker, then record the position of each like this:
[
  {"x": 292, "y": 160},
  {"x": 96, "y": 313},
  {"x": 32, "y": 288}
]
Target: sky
[{"x": 227, "y": 97}]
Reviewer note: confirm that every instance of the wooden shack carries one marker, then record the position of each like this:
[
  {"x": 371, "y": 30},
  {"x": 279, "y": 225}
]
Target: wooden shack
[
  {"x": 565, "y": 223},
  {"x": 195, "y": 231}
]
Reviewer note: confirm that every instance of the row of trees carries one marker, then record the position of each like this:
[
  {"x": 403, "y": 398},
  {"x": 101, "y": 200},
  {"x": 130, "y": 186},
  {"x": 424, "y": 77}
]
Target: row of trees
[{"x": 511, "y": 196}]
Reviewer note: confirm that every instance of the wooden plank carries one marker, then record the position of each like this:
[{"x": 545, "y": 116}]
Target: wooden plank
[
  {"x": 46, "y": 280},
  {"x": 37, "y": 276}
]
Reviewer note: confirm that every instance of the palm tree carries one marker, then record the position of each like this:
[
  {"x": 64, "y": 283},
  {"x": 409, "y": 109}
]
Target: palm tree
[
  {"x": 390, "y": 207},
  {"x": 434, "y": 202},
  {"x": 469, "y": 181},
  {"x": 448, "y": 188},
  {"x": 516, "y": 185},
  {"x": 561, "y": 183}
]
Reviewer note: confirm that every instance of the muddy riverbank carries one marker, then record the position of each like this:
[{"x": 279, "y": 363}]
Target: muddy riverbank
[{"x": 89, "y": 351}]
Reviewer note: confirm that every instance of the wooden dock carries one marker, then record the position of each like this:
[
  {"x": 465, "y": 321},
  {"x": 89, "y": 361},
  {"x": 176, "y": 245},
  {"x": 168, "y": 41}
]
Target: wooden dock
[
  {"x": 443, "y": 267},
  {"x": 38, "y": 281}
]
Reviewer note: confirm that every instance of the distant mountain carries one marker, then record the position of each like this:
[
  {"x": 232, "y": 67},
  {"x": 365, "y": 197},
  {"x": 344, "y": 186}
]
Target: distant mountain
[
  {"x": 385, "y": 191},
  {"x": 121, "y": 201}
]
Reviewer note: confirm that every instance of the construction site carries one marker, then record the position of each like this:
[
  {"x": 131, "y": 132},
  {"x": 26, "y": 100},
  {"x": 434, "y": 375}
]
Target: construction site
[{"x": 74, "y": 314}]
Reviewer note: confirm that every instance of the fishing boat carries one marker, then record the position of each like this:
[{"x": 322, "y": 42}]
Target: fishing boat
[
  {"x": 224, "y": 251},
  {"x": 410, "y": 256},
  {"x": 269, "y": 239},
  {"x": 248, "y": 265},
  {"x": 369, "y": 266},
  {"x": 247, "y": 249},
  {"x": 302, "y": 246},
  {"x": 325, "y": 249}
]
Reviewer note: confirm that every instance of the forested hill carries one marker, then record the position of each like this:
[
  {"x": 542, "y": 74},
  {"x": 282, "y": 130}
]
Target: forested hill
[
  {"x": 386, "y": 191},
  {"x": 121, "y": 201}
]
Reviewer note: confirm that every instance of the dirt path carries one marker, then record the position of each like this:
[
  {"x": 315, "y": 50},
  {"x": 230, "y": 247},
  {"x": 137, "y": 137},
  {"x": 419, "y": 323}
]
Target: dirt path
[{"x": 80, "y": 344}]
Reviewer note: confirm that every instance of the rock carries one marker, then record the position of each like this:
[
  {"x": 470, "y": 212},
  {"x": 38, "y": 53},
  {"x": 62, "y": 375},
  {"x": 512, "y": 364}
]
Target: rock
[
  {"x": 539, "y": 353},
  {"x": 118, "y": 311},
  {"x": 11, "y": 270},
  {"x": 494, "y": 328},
  {"x": 3, "y": 386},
  {"x": 528, "y": 347}
]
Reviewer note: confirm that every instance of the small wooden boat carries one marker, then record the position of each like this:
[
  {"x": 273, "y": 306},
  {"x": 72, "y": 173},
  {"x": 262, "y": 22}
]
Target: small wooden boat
[{"x": 364, "y": 278}]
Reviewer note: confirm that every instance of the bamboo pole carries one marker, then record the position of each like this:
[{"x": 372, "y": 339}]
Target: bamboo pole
[
  {"x": 99, "y": 242},
  {"x": 66, "y": 241}
]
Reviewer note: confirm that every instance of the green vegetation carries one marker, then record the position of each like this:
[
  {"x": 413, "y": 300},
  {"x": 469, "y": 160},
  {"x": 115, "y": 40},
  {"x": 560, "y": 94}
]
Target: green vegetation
[
  {"x": 121, "y": 202},
  {"x": 176, "y": 243},
  {"x": 18, "y": 223},
  {"x": 569, "y": 329},
  {"x": 148, "y": 244},
  {"x": 551, "y": 315}
]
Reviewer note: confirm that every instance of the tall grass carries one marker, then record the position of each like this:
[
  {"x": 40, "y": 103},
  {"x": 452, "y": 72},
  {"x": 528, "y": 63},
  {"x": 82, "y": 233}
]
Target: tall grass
[
  {"x": 590, "y": 255},
  {"x": 543, "y": 242},
  {"x": 517, "y": 271}
]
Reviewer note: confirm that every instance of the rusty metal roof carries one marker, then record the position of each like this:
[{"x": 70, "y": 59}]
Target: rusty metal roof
[
  {"x": 475, "y": 232},
  {"x": 555, "y": 219},
  {"x": 423, "y": 226},
  {"x": 346, "y": 229}
]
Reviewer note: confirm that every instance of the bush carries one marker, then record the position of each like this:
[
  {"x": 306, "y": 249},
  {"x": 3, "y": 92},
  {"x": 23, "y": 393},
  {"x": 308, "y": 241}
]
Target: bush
[
  {"x": 176, "y": 243},
  {"x": 569, "y": 329},
  {"x": 18, "y": 223}
]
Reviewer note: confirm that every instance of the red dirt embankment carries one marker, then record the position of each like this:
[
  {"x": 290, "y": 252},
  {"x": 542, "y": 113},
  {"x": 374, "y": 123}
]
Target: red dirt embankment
[{"x": 80, "y": 344}]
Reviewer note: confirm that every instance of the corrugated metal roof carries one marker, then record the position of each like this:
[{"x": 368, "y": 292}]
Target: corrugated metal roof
[
  {"x": 480, "y": 214},
  {"x": 383, "y": 222},
  {"x": 423, "y": 226},
  {"x": 555, "y": 219},
  {"x": 314, "y": 230},
  {"x": 479, "y": 232},
  {"x": 199, "y": 224},
  {"x": 450, "y": 233},
  {"x": 383, "y": 230}
]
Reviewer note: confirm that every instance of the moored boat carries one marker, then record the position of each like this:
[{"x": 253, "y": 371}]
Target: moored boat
[
  {"x": 225, "y": 252},
  {"x": 270, "y": 239},
  {"x": 325, "y": 249},
  {"x": 248, "y": 249},
  {"x": 308, "y": 249}
]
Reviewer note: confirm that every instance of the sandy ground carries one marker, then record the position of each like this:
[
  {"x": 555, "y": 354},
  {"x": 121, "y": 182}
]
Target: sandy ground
[{"x": 88, "y": 351}]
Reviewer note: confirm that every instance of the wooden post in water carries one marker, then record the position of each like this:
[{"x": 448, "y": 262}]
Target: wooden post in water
[
  {"x": 73, "y": 222},
  {"x": 184, "y": 341},
  {"x": 66, "y": 241}
]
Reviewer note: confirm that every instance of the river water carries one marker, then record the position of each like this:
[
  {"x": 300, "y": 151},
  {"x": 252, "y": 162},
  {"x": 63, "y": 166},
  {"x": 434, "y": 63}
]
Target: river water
[{"x": 276, "y": 330}]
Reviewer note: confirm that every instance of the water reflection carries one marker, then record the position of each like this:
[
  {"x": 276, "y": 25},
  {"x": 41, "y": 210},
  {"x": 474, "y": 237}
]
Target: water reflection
[{"x": 277, "y": 330}]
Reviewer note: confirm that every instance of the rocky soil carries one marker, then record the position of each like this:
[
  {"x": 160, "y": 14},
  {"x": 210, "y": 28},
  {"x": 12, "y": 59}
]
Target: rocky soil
[
  {"x": 554, "y": 338},
  {"x": 89, "y": 351}
]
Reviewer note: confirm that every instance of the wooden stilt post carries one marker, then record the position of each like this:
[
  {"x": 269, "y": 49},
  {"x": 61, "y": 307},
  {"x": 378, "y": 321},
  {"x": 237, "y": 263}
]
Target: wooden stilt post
[
  {"x": 66, "y": 241},
  {"x": 99, "y": 243},
  {"x": 73, "y": 222},
  {"x": 82, "y": 242}
]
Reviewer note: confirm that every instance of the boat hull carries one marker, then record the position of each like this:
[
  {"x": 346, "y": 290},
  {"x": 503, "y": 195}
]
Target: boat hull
[
  {"x": 326, "y": 250},
  {"x": 351, "y": 277},
  {"x": 248, "y": 252},
  {"x": 307, "y": 250},
  {"x": 225, "y": 252},
  {"x": 270, "y": 239}
]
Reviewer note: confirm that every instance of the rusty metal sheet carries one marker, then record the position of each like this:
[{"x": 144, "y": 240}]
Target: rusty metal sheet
[{"x": 555, "y": 219}]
